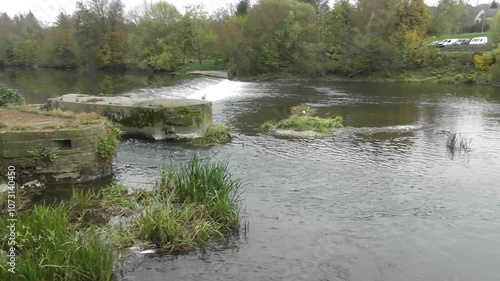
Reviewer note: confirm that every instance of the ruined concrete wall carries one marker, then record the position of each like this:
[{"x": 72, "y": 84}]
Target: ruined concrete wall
[
  {"x": 61, "y": 156},
  {"x": 150, "y": 118}
]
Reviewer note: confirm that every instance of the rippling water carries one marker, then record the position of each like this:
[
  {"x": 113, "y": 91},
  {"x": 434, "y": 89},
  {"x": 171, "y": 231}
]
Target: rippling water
[{"x": 381, "y": 200}]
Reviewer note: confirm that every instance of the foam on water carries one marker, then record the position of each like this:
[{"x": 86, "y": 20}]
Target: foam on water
[
  {"x": 213, "y": 89},
  {"x": 223, "y": 90}
]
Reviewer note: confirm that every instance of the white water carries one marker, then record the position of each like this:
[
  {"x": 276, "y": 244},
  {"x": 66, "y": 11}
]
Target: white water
[{"x": 213, "y": 89}]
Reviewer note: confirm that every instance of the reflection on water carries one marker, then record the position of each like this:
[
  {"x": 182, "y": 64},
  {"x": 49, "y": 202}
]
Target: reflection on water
[
  {"x": 380, "y": 200},
  {"x": 38, "y": 85}
]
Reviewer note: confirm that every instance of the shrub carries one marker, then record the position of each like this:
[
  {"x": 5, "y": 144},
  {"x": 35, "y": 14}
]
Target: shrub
[
  {"x": 268, "y": 125},
  {"x": 109, "y": 142},
  {"x": 484, "y": 61},
  {"x": 10, "y": 96}
]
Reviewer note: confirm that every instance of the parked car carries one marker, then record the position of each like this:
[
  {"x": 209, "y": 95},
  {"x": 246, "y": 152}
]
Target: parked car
[
  {"x": 464, "y": 41},
  {"x": 447, "y": 42},
  {"x": 479, "y": 41}
]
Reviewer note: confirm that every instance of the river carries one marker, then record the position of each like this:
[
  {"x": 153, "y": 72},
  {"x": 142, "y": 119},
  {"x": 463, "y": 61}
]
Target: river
[{"x": 381, "y": 200}]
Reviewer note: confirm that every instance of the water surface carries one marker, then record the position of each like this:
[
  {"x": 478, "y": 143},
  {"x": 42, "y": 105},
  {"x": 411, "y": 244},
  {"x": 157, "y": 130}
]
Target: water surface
[{"x": 381, "y": 200}]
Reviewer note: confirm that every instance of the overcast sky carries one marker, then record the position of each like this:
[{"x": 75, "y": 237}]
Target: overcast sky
[{"x": 47, "y": 10}]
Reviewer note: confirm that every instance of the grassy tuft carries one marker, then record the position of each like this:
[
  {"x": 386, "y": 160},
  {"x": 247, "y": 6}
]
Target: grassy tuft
[
  {"x": 268, "y": 125},
  {"x": 215, "y": 134},
  {"x": 458, "y": 142},
  {"x": 193, "y": 206},
  {"x": 309, "y": 123},
  {"x": 51, "y": 248},
  {"x": 22, "y": 128},
  {"x": 2, "y": 125}
]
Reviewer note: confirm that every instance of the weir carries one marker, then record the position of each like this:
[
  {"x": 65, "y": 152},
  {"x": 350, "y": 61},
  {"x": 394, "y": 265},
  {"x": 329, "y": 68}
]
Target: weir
[{"x": 157, "y": 119}]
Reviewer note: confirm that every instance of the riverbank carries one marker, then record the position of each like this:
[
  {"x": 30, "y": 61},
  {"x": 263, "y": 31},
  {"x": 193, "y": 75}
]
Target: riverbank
[
  {"x": 460, "y": 78},
  {"x": 189, "y": 208}
]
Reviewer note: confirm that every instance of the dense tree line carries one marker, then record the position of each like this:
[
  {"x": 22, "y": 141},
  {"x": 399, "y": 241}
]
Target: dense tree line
[{"x": 306, "y": 36}]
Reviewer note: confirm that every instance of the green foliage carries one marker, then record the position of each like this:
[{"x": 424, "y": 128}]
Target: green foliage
[
  {"x": 242, "y": 8},
  {"x": 44, "y": 155},
  {"x": 494, "y": 32},
  {"x": 54, "y": 249},
  {"x": 215, "y": 134},
  {"x": 10, "y": 96},
  {"x": 484, "y": 61},
  {"x": 116, "y": 195},
  {"x": 192, "y": 206},
  {"x": 207, "y": 65},
  {"x": 268, "y": 125},
  {"x": 109, "y": 142},
  {"x": 306, "y": 123}
]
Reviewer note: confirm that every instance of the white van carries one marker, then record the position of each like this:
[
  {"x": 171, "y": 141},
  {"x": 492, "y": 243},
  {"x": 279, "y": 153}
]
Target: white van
[
  {"x": 447, "y": 42},
  {"x": 479, "y": 41}
]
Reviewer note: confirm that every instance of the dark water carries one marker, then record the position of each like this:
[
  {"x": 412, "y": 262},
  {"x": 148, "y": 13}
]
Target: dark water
[
  {"x": 38, "y": 85},
  {"x": 382, "y": 200}
]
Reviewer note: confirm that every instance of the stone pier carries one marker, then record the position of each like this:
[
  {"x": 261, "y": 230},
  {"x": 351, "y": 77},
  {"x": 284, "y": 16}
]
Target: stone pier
[{"x": 157, "y": 119}]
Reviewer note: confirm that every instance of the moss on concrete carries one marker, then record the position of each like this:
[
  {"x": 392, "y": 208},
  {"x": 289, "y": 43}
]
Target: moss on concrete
[{"x": 182, "y": 116}]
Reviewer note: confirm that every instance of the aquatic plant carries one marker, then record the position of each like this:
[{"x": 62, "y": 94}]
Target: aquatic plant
[
  {"x": 51, "y": 248},
  {"x": 456, "y": 141},
  {"x": 305, "y": 123},
  {"x": 268, "y": 125},
  {"x": 215, "y": 134},
  {"x": 193, "y": 205},
  {"x": 9, "y": 96},
  {"x": 109, "y": 142}
]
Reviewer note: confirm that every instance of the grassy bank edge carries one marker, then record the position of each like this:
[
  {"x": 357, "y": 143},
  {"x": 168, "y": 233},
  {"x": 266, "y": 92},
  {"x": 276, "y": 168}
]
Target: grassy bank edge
[{"x": 190, "y": 207}]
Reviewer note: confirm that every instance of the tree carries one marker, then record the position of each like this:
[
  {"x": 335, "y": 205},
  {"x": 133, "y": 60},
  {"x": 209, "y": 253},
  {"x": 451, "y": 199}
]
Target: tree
[
  {"x": 273, "y": 30},
  {"x": 100, "y": 33},
  {"x": 242, "y": 8},
  {"x": 494, "y": 33},
  {"x": 156, "y": 41},
  {"x": 447, "y": 17},
  {"x": 59, "y": 49}
]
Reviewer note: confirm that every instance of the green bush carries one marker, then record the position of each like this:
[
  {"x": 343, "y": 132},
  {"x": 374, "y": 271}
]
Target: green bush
[
  {"x": 109, "y": 142},
  {"x": 10, "y": 96},
  {"x": 484, "y": 61}
]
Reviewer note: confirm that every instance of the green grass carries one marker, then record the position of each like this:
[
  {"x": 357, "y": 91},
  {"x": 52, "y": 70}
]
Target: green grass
[
  {"x": 52, "y": 248},
  {"x": 207, "y": 65},
  {"x": 454, "y": 36},
  {"x": 268, "y": 125},
  {"x": 190, "y": 207},
  {"x": 215, "y": 134},
  {"x": 306, "y": 123}
]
